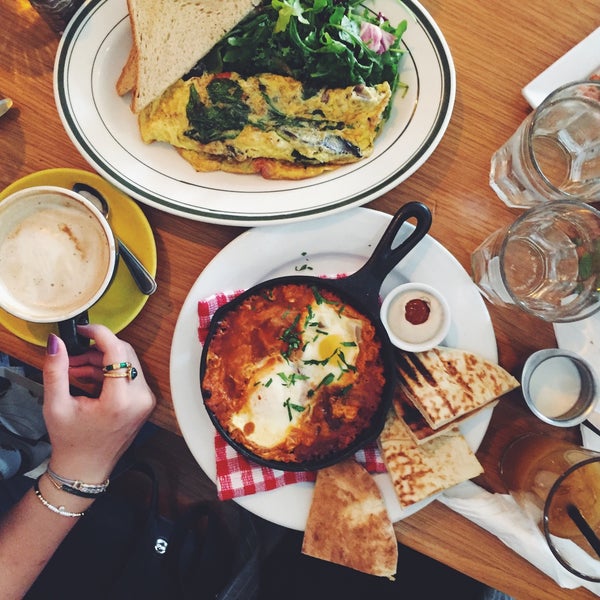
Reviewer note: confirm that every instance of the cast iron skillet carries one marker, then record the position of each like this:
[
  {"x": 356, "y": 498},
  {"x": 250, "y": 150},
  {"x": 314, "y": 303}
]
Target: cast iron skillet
[{"x": 360, "y": 290}]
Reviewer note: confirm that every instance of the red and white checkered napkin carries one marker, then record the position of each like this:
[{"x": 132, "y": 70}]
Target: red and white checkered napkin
[{"x": 237, "y": 476}]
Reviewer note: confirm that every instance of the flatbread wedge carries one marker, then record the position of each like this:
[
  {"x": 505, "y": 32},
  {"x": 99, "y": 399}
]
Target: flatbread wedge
[
  {"x": 447, "y": 383},
  {"x": 348, "y": 523},
  {"x": 419, "y": 428},
  {"x": 419, "y": 471}
]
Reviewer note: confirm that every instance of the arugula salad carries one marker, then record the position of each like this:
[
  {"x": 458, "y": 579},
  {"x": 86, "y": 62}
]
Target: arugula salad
[{"x": 322, "y": 43}]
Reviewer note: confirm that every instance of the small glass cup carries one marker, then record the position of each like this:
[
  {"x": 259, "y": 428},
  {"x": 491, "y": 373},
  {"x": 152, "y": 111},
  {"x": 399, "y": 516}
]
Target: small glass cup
[
  {"x": 557, "y": 484},
  {"x": 555, "y": 152},
  {"x": 547, "y": 262}
]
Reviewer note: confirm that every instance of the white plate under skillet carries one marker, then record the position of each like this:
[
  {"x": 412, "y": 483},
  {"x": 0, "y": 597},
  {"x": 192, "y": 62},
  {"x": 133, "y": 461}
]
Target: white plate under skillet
[
  {"x": 331, "y": 245},
  {"x": 92, "y": 52}
]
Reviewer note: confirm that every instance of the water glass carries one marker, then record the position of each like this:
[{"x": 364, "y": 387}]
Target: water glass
[
  {"x": 546, "y": 263},
  {"x": 555, "y": 152}
]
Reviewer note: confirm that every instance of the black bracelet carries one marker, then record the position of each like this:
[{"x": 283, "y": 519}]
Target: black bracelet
[{"x": 77, "y": 488}]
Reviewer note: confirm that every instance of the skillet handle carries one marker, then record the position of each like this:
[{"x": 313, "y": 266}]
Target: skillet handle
[{"x": 368, "y": 279}]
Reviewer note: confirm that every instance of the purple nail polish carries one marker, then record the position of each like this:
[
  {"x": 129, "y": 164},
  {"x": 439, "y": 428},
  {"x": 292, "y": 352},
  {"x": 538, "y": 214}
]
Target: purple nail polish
[{"x": 52, "y": 344}]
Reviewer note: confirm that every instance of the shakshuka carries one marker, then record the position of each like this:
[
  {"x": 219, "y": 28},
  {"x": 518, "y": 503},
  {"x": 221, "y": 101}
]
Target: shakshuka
[{"x": 293, "y": 373}]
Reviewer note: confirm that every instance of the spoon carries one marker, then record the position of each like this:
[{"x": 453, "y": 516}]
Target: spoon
[{"x": 140, "y": 274}]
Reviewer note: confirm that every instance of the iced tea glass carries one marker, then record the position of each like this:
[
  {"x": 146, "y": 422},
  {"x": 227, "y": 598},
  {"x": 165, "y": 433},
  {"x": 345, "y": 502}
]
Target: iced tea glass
[{"x": 557, "y": 484}]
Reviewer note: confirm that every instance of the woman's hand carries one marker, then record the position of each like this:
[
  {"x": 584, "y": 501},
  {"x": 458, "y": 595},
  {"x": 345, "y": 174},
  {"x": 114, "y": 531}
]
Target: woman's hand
[{"x": 89, "y": 435}]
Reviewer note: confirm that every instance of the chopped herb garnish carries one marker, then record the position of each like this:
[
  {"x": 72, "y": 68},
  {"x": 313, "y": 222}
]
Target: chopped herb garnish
[
  {"x": 289, "y": 380},
  {"x": 329, "y": 378},
  {"x": 303, "y": 268},
  {"x": 268, "y": 295},
  {"x": 290, "y": 406},
  {"x": 320, "y": 299},
  {"x": 314, "y": 361},
  {"x": 342, "y": 358},
  {"x": 291, "y": 336},
  {"x": 308, "y": 321}
]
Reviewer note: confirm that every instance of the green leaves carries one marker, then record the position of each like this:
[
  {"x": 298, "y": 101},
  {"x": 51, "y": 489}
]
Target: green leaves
[
  {"x": 315, "y": 41},
  {"x": 287, "y": 10}
]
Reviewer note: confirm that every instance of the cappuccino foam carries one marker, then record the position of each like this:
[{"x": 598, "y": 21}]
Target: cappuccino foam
[{"x": 54, "y": 257}]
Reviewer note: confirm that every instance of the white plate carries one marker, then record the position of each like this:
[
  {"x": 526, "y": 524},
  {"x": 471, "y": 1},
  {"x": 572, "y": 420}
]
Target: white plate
[
  {"x": 91, "y": 54},
  {"x": 578, "y": 63},
  {"x": 332, "y": 244},
  {"x": 582, "y": 337}
]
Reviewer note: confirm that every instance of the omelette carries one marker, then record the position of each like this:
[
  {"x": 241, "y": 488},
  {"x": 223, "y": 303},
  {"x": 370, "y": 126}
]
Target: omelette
[{"x": 268, "y": 124}]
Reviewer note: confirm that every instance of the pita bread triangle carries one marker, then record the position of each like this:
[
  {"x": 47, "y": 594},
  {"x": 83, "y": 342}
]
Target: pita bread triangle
[
  {"x": 446, "y": 383},
  {"x": 421, "y": 470},
  {"x": 348, "y": 523},
  {"x": 419, "y": 428}
]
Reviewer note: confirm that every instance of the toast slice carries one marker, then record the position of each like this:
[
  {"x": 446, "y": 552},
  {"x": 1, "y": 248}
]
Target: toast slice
[
  {"x": 421, "y": 470},
  {"x": 447, "y": 383},
  {"x": 348, "y": 523},
  {"x": 128, "y": 76},
  {"x": 171, "y": 36}
]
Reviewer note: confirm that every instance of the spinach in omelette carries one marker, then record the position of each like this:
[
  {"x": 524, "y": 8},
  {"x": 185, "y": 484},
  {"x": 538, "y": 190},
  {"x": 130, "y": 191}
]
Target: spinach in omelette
[{"x": 262, "y": 123}]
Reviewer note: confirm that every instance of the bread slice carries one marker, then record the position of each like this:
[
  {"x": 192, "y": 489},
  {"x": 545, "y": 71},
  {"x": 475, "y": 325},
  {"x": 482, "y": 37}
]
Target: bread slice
[
  {"x": 171, "y": 36},
  {"x": 348, "y": 523},
  {"x": 447, "y": 383},
  {"x": 420, "y": 470},
  {"x": 128, "y": 76}
]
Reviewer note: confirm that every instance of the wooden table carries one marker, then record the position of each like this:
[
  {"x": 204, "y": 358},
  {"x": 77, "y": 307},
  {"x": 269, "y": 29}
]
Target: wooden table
[{"x": 497, "y": 49}]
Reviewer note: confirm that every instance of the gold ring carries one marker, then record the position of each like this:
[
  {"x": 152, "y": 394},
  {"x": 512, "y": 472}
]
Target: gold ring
[
  {"x": 130, "y": 372},
  {"x": 117, "y": 366}
]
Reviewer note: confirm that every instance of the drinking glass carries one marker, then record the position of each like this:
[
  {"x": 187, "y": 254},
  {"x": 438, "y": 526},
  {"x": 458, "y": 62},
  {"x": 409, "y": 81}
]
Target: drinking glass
[
  {"x": 557, "y": 484},
  {"x": 555, "y": 152},
  {"x": 547, "y": 262}
]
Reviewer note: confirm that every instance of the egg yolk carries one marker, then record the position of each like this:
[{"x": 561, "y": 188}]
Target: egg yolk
[{"x": 328, "y": 345}]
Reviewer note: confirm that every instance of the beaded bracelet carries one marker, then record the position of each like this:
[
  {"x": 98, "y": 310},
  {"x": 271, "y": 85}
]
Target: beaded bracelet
[
  {"x": 75, "y": 487},
  {"x": 59, "y": 510}
]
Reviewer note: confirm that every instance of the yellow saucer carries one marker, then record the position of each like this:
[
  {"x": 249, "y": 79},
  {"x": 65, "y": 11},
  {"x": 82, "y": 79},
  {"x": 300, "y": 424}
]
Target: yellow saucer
[{"x": 123, "y": 301}]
